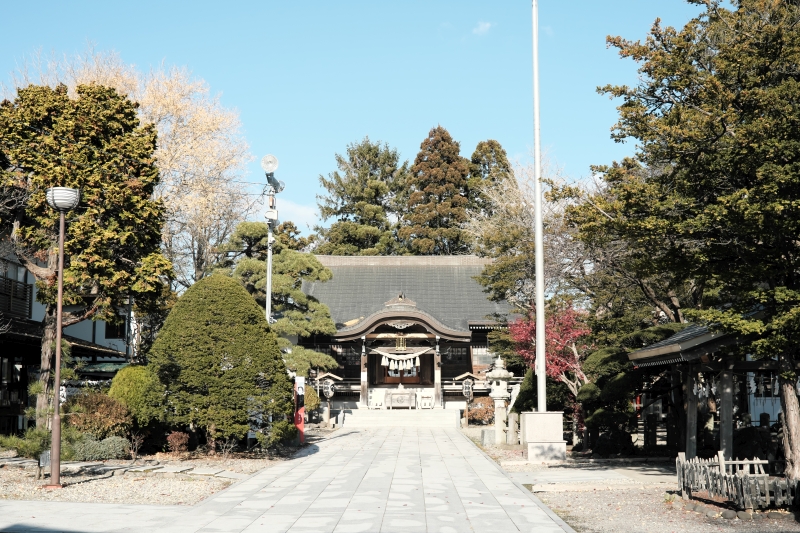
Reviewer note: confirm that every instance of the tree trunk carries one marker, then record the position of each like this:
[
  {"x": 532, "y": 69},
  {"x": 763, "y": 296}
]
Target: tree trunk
[
  {"x": 791, "y": 417},
  {"x": 211, "y": 441},
  {"x": 43, "y": 400}
]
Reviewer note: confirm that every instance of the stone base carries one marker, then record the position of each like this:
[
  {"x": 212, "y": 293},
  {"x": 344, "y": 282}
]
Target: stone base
[{"x": 546, "y": 452}]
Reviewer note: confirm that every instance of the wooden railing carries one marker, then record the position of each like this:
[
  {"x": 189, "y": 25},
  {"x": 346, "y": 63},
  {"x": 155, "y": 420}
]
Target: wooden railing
[
  {"x": 742, "y": 482},
  {"x": 15, "y": 298}
]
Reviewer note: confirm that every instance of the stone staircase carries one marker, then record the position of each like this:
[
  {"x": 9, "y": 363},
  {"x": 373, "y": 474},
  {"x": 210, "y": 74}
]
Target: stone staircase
[{"x": 381, "y": 418}]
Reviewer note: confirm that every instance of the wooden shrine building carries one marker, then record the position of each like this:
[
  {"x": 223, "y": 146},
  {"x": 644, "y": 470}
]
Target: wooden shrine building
[{"x": 409, "y": 328}]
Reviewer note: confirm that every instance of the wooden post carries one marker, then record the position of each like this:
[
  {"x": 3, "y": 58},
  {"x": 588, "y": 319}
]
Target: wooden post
[
  {"x": 691, "y": 413},
  {"x": 726, "y": 415}
]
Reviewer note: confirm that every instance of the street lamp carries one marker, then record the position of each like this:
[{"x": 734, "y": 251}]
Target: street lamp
[
  {"x": 270, "y": 164},
  {"x": 62, "y": 199}
]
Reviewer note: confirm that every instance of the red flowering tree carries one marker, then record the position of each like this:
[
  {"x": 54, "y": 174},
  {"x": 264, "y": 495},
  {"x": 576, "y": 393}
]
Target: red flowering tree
[{"x": 565, "y": 329}]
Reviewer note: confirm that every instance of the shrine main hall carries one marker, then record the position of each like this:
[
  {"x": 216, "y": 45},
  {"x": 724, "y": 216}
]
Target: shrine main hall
[{"x": 409, "y": 329}]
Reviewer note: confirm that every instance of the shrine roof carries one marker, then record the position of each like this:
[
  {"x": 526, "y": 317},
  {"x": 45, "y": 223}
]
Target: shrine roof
[{"x": 440, "y": 286}]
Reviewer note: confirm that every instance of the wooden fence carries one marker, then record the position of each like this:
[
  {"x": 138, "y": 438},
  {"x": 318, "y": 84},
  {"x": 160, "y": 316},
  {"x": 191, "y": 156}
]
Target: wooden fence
[{"x": 743, "y": 482}]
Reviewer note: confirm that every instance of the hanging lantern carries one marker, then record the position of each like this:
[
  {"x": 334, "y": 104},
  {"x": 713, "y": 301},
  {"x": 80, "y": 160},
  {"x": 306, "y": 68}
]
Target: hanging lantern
[{"x": 417, "y": 362}]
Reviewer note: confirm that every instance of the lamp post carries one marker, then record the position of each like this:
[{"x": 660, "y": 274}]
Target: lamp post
[
  {"x": 270, "y": 164},
  {"x": 62, "y": 199}
]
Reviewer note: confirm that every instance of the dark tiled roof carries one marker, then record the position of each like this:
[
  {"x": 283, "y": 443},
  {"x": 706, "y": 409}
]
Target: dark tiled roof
[
  {"x": 441, "y": 286},
  {"x": 688, "y": 333}
]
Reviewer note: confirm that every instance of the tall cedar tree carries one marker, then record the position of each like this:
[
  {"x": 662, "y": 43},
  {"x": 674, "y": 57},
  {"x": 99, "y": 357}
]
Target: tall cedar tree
[
  {"x": 297, "y": 314},
  {"x": 438, "y": 199},
  {"x": 220, "y": 363},
  {"x": 488, "y": 166},
  {"x": 716, "y": 113},
  {"x": 93, "y": 142},
  {"x": 362, "y": 198}
]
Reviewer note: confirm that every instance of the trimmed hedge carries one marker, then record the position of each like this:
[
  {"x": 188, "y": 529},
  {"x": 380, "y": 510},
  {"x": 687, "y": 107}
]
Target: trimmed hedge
[{"x": 89, "y": 449}]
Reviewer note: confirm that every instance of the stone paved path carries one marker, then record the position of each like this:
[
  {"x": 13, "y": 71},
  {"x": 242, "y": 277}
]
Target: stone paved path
[{"x": 385, "y": 480}]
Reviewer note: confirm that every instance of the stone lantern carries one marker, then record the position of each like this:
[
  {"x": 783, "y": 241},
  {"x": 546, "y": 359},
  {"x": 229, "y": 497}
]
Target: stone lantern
[{"x": 498, "y": 381}]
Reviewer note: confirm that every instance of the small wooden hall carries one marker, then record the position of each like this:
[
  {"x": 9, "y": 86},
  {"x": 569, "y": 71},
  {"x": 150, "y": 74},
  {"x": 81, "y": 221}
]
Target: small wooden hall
[
  {"x": 711, "y": 392},
  {"x": 410, "y": 329}
]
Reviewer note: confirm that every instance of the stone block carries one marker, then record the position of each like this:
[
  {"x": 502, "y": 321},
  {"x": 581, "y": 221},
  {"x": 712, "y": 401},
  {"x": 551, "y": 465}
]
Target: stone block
[
  {"x": 546, "y": 452},
  {"x": 487, "y": 437}
]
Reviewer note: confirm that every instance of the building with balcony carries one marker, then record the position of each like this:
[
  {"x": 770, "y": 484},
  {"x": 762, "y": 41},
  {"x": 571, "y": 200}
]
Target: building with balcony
[{"x": 103, "y": 347}]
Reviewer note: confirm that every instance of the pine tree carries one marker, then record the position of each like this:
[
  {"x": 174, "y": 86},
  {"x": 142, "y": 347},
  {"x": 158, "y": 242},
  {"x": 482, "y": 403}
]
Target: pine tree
[
  {"x": 219, "y": 362},
  {"x": 362, "y": 199},
  {"x": 296, "y": 314},
  {"x": 438, "y": 198}
]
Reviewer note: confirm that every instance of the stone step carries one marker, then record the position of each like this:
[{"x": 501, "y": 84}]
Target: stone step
[{"x": 370, "y": 418}]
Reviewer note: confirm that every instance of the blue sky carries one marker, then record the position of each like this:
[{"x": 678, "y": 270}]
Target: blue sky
[{"x": 310, "y": 77}]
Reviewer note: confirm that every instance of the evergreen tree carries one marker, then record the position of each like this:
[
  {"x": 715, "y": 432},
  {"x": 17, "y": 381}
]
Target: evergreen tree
[
  {"x": 438, "y": 198},
  {"x": 219, "y": 362},
  {"x": 488, "y": 166},
  {"x": 297, "y": 314},
  {"x": 93, "y": 142},
  {"x": 362, "y": 199}
]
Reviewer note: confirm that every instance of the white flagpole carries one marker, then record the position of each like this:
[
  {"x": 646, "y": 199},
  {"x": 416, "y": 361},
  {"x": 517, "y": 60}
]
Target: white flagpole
[{"x": 538, "y": 225}]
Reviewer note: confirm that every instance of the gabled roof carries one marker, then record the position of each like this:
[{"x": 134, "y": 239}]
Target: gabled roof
[
  {"x": 686, "y": 345},
  {"x": 442, "y": 287}
]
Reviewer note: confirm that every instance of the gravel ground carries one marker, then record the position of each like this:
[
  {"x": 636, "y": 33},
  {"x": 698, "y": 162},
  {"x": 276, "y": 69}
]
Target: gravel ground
[
  {"x": 21, "y": 484},
  {"x": 644, "y": 510}
]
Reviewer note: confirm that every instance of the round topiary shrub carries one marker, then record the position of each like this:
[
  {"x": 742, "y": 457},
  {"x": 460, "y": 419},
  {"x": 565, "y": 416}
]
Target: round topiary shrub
[
  {"x": 219, "y": 362},
  {"x": 138, "y": 389}
]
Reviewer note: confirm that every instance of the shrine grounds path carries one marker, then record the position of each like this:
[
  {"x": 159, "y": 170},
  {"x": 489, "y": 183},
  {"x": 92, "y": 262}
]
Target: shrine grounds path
[{"x": 398, "y": 480}]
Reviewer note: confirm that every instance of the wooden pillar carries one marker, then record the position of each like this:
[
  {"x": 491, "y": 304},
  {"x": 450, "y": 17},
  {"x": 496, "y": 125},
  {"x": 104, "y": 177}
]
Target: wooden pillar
[
  {"x": 691, "y": 413},
  {"x": 676, "y": 428},
  {"x": 364, "y": 399},
  {"x": 726, "y": 414},
  {"x": 438, "y": 400}
]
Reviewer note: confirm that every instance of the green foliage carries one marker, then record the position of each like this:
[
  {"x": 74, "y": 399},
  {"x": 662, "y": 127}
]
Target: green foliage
[
  {"x": 312, "y": 401},
  {"x": 93, "y": 142},
  {"x": 90, "y": 449},
  {"x": 501, "y": 345},
  {"x": 714, "y": 189},
  {"x": 606, "y": 400},
  {"x": 489, "y": 164},
  {"x": 297, "y": 314},
  {"x": 140, "y": 391},
  {"x": 438, "y": 198},
  {"x": 281, "y": 432},
  {"x": 558, "y": 395},
  {"x": 98, "y": 414},
  {"x": 30, "y": 445},
  {"x": 219, "y": 362},
  {"x": 37, "y": 440},
  {"x": 363, "y": 199}
]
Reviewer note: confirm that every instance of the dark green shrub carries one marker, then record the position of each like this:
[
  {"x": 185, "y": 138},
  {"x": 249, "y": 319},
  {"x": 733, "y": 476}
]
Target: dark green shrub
[
  {"x": 281, "y": 432},
  {"x": 219, "y": 362},
  {"x": 90, "y": 449},
  {"x": 311, "y": 399}
]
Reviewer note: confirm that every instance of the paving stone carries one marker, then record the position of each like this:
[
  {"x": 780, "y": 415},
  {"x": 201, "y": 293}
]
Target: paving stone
[
  {"x": 173, "y": 469},
  {"x": 231, "y": 475},
  {"x": 144, "y": 469},
  {"x": 205, "y": 471}
]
